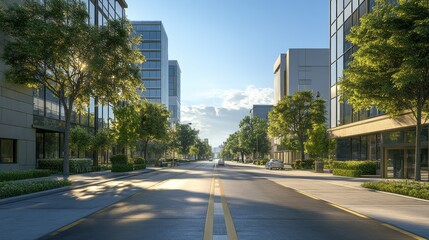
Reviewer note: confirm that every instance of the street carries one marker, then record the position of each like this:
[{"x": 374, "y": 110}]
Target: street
[{"x": 193, "y": 201}]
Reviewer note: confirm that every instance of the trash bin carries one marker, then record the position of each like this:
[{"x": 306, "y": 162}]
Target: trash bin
[{"x": 318, "y": 166}]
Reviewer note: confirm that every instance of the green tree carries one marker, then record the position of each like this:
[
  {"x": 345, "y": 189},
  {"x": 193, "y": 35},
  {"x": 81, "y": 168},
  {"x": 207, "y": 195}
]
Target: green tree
[
  {"x": 260, "y": 136},
  {"x": 102, "y": 141},
  {"x": 318, "y": 142},
  {"x": 80, "y": 139},
  {"x": 246, "y": 140},
  {"x": 186, "y": 137},
  {"x": 51, "y": 44},
  {"x": 194, "y": 151},
  {"x": 294, "y": 115},
  {"x": 126, "y": 124},
  {"x": 153, "y": 124},
  {"x": 390, "y": 69}
]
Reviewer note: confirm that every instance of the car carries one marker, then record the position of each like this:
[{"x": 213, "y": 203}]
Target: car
[
  {"x": 220, "y": 162},
  {"x": 210, "y": 159},
  {"x": 275, "y": 163}
]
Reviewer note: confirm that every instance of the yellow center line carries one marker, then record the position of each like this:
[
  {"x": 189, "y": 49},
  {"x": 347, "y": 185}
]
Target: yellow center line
[
  {"x": 349, "y": 211},
  {"x": 404, "y": 232},
  {"x": 208, "y": 228},
  {"x": 305, "y": 194},
  {"x": 230, "y": 227}
]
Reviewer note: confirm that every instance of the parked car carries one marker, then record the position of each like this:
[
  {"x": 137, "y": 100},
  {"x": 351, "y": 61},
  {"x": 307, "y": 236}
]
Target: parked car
[
  {"x": 220, "y": 162},
  {"x": 274, "y": 163}
]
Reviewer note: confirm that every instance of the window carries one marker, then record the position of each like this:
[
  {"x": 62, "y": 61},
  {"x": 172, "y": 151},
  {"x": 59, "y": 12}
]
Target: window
[
  {"x": 7, "y": 150},
  {"x": 333, "y": 74},
  {"x": 340, "y": 42},
  {"x": 340, "y": 6},
  {"x": 333, "y": 10},
  {"x": 333, "y": 48},
  {"x": 333, "y": 113}
]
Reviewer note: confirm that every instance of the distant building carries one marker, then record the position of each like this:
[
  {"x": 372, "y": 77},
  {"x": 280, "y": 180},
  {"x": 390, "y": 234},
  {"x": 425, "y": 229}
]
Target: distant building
[
  {"x": 299, "y": 70},
  {"x": 261, "y": 111},
  {"x": 174, "y": 81},
  {"x": 154, "y": 72}
]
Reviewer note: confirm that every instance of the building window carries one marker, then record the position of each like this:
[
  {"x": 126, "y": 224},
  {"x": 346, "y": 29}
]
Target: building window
[{"x": 7, "y": 151}]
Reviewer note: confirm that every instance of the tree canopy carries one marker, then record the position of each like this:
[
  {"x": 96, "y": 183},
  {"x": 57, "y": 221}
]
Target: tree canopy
[
  {"x": 390, "y": 68},
  {"x": 50, "y": 43},
  {"x": 294, "y": 115}
]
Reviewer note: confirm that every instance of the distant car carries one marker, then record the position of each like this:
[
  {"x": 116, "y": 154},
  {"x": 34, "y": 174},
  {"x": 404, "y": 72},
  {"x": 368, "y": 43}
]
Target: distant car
[
  {"x": 210, "y": 159},
  {"x": 274, "y": 163},
  {"x": 220, "y": 162}
]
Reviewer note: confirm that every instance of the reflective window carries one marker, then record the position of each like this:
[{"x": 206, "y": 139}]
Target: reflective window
[
  {"x": 7, "y": 150},
  {"x": 333, "y": 48},
  {"x": 333, "y": 10},
  {"x": 333, "y": 74},
  {"x": 340, "y": 42},
  {"x": 347, "y": 26},
  {"x": 340, "y": 68},
  {"x": 333, "y": 113},
  {"x": 340, "y": 6}
]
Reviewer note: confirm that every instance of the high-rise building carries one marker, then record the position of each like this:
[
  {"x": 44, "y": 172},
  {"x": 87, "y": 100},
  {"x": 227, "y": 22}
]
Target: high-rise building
[
  {"x": 154, "y": 72},
  {"x": 32, "y": 122},
  {"x": 299, "y": 70},
  {"x": 367, "y": 134},
  {"x": 261, "y": 111},
  {"x": 174, "y": 74}
]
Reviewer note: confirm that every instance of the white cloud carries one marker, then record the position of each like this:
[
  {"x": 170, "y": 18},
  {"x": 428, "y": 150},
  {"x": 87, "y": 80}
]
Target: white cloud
[{"x": 217, "y": 122}]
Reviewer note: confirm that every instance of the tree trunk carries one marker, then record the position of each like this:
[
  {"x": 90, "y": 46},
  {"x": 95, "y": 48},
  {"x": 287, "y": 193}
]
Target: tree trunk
[
  {"x": 145, "y": 148},
  {"x": 242, "y": 157},
  {"x": 417, "y": 175},
  {"x": 301, "y": 144},
  {"x": 66, "y": 168}
]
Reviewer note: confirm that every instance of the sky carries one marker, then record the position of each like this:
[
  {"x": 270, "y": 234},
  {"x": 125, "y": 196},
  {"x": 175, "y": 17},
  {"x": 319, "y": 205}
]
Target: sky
[{"x": 226, "y": 50}]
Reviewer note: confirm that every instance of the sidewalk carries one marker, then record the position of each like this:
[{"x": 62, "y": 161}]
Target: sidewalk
[{"x": 408, "y": 213}]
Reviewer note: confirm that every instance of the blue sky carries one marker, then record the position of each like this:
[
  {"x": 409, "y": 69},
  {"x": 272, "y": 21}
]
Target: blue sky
[{"x": 226, "y": 50}]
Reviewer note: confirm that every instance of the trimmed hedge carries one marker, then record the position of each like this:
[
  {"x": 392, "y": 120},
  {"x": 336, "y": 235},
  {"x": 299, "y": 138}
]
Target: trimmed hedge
[
  {"x": 122, "y": 167},
  {"x": 261, "y": 162},
  {"x": 119, "y": 159},
  {"x": 18, "y": 175},
  {"x": 77, "y": 165},
  {"x": 139, "y": 166},
  {"x": 354, "y": 168},
  {"x": 11, "y": 189},
  {"x": 139, "y": 160},
  {"x": 408, "y": 188},
  {"x": 303, "y": 164}
]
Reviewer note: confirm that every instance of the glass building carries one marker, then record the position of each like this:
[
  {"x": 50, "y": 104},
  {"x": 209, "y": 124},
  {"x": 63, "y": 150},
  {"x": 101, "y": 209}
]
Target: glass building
[
  {"x": 367, "y": 134},
  {"x": 174, "y": 80},
  {"x": 40, "y": 131},
  {"x": 154, "y": 72}
]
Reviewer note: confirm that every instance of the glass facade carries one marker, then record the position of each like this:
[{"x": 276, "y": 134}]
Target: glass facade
[
  {"x": 7, "y": 151},
  {"x": 174, "y": 79},
  {"x": 154, "y": 69}
]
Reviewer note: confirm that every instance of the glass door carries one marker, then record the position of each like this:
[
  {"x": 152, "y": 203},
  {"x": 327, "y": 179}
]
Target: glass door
[
  {"x": 410, "y": 164},
  {"x": 395, "y": 163}
]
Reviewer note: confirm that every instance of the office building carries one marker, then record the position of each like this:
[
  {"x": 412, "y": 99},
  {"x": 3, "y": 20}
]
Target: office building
[
  {"x": 154, "y": 72},
  {"x": 32, "y": 121},
  {"x": 174, "y": 74},
  {"x": 300, "y": 70},
  {"x": 367, "y": 134},
  {"x": 261, "y": 111}
]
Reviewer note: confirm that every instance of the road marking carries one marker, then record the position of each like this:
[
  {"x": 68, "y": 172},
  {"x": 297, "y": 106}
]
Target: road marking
[
  {"x": 349, "y": 211},
  {"x": 230, "y": 227},
  {"x": 305, "y": 194},
  {"x": 208, "y": 228},
  {"x": 404, "y": 232},
  {"x": 66, "y": 227}
]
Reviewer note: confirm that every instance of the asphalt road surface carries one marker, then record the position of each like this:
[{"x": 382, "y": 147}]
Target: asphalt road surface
[{"x": 205, "y": 201}]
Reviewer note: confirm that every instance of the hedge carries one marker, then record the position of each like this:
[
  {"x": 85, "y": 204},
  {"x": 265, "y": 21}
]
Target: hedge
[
  {"x": 18, "y": 175},
  {"x": 354, "y": 168},
  {"x": 139, "y": 166},
  {"x": 122, "y": 167},
  {"x": 11, "y": 189},
  {"x": 77, "y": 165},
  {"x": 139, "y": 160},
  {"x": 119, "y": 159},
  {"x": 408, "y": 188},
  {"x": 303, "y": 164}
]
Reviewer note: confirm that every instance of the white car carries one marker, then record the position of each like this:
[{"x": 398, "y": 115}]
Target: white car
[
  {"x": 274, "y": 163},
  {"x": 220, "y": 162}
]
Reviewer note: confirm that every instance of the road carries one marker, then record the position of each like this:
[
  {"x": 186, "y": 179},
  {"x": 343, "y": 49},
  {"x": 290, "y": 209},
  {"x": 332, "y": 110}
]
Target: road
[{"x": 202, "y": 201}]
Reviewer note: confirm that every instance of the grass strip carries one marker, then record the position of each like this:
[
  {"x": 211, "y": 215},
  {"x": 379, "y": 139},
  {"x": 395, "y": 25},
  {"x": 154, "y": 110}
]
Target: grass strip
[
  {"x": 408, "y": 188},
  {"x": 11, "y": 189}
]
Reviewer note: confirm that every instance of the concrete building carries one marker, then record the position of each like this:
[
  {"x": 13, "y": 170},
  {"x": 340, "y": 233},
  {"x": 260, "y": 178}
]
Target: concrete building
[
  {"x": 32, "y": 122},
  {"x": 299, "y": 70},
  {"x": 367, "y": 134},
  {"x": 154, "y": 72},
  {"x": 174, "y": 81},
  {"x": 261, "y": 111}
]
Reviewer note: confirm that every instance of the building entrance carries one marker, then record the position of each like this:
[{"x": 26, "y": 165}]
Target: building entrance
[{"x": 399, "y": 163}]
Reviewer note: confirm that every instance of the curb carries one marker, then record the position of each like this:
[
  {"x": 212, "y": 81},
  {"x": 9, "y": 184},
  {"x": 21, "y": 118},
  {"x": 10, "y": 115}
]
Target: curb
[{"x": 68, "y": 188}]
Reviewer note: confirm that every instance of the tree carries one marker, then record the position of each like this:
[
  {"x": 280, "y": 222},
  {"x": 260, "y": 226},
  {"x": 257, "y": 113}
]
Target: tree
[
  {"x": 153, "y": 124},
  {"x": 390, "y": 69},
  {"x": 125, "y": 125},
  {"x": 246, "y": 140},
  {"x": 194, "y": 151},
  {"x": 102, "y": 141},
  {"x": 80, "y": 139},
  {"x": 186, "y": 137},
  {"x": 318, "y": 142},
  {"x": 294, "y": 115},
  {"x": 51, "y": 44},
  {"x": 260, "y": 136}
]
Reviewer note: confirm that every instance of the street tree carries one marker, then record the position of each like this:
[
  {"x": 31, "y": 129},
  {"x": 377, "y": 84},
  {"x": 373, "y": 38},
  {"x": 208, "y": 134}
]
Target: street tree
[
  {"x": 80, "y": 139},
  {"x": 260, "y": 136},
  {"x": 390, "y": 69},
  {"x": 318, "y": 142},
  {"x": 126, "y": 124},
  {"x": 153, "y": 124},
  {"x": 51, "y": 44},
  {"x": 101, "y": 142},
  {"x": 294, "y": 115},
  {"x": 246, "y": 139},
  {"x": 186, "y": 137}
]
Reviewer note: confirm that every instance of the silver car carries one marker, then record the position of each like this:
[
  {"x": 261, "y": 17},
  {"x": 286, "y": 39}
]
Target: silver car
[
  {"x": 274, "y": 163},
  {"x": 220, "y": 162}
]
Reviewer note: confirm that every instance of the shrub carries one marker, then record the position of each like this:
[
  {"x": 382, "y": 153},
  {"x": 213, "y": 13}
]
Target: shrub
[
  {"x": 122, "y": 167},
  {"x": 408, "y": 188},
  {"x": 18, "y": 175},
  {"x": 262, "y": 162},
  {"x": 139, "y": 166},
  {"x": 11, "y": 189},
  {"x": 119, "y": 159},
  {"x": 356, "y": 168},
  {"x": 77, "y": 165},
  {"x": 139, "y": 160},
  {"x": 303, "y": 164}
]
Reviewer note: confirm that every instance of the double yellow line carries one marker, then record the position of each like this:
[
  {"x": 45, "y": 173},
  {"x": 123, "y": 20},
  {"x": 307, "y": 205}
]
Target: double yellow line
[{"x": 230, "y": 227}]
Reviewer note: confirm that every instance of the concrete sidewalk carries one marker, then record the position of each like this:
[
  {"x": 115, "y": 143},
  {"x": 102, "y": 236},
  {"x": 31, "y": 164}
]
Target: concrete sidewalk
[{"x": 408, "y": 213}]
